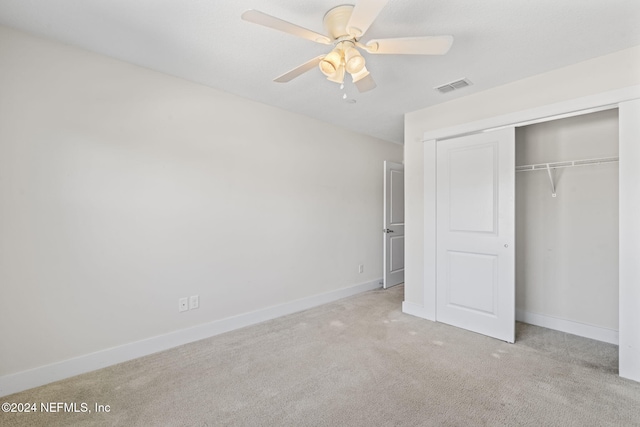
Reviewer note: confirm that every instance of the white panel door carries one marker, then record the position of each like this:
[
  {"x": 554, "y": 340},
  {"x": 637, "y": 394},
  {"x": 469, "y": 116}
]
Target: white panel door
[
  {"x": 475, "y": 261},
  {"x": 393, "y": 226}
]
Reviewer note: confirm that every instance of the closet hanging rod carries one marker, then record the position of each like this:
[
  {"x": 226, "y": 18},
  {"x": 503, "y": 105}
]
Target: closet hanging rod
[{"x": 567, "y": 164}]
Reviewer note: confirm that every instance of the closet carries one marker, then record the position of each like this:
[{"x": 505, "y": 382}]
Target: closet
[
  {"x": 566, "y": 225},
  {"x": 566, "y": 258}
]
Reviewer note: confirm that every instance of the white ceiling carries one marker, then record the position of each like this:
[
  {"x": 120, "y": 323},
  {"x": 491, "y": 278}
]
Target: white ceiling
[{"x": 205, "y": 41}]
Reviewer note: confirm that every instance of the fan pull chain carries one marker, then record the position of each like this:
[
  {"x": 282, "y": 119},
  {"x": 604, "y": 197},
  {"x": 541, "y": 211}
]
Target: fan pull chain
[{"x": 344, "y": 95}]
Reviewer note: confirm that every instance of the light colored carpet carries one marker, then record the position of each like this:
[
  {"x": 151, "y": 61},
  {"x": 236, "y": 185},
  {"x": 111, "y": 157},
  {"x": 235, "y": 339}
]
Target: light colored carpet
[{"x": 356, "y": 362}]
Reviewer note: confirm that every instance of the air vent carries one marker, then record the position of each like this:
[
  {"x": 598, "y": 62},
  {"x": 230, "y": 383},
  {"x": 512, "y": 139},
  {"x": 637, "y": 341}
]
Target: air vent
[{"x": 451, "y": 86}]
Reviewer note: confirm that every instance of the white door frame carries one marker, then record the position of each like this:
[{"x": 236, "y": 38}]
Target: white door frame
[{"x": 628, "y": 100}]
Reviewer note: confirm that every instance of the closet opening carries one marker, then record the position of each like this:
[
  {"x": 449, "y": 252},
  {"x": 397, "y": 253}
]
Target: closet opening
[{"x": 567, "y": 211}]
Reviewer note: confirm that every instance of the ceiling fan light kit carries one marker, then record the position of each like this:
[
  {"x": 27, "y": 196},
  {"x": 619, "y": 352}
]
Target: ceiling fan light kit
[
  {"x": 346, "y": 24},
  {"x": 345, "y": 57}
]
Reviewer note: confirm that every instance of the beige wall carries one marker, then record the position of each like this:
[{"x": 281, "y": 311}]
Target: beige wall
[
  {"x": 606, "y": 73},
  {"x": 123, "y": 189},
  {"x": 567, "y": 246}
]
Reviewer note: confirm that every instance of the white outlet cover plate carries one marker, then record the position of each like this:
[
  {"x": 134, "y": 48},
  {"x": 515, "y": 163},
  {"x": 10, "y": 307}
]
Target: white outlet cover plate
[{"x": 194, "y": 302}]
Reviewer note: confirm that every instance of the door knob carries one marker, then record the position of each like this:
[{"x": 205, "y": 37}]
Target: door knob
[{"x": 388, "y": 230}]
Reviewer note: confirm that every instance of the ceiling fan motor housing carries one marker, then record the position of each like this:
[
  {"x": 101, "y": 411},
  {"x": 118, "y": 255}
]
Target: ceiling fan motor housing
[{"x": 335, "y": 22}]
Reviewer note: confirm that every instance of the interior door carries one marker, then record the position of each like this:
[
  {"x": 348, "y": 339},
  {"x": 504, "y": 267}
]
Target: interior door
[
  {"x": 475, "y": 208},
  {"x": 393, "y": 226}
]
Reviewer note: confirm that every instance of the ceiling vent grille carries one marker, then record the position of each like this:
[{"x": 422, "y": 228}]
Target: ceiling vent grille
[{"x": 451, "y": 86}]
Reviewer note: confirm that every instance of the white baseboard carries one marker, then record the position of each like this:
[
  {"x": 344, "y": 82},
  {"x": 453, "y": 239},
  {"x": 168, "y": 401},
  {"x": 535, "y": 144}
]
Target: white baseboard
[
  {"x": 20, "y": 381},
  {"x": 415, "y": 310},
  {"x": 569, "y": 326}
]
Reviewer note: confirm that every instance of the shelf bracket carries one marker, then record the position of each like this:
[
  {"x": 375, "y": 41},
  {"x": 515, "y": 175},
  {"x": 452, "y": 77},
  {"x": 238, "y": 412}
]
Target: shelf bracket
[{"x": 553, "y": 184}]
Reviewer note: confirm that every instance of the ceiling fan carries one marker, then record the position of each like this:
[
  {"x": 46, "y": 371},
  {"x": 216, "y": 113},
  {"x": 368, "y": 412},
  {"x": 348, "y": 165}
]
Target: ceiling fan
[{"x": 345, "y": 25}]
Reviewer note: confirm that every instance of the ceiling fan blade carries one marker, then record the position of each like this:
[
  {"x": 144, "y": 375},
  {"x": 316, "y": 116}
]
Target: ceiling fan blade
[
  {"x": 365, "y": 84},
  {"x": 363, "y": 15},
  {"x": 301, "y": 69},
  {"x": 363, "y": 80},
  {"x": 435, "y": 45},
  {"x": 260, "y": 18}
]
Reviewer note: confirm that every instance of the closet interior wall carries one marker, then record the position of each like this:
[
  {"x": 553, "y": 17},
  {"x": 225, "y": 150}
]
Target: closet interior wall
[{"x": 567, "y": 246}]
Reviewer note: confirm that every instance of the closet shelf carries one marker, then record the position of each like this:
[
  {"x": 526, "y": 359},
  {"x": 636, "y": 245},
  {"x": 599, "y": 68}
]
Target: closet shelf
[
  {"x": 550, "y": 166},
  {"x": 567, "y": 164}
]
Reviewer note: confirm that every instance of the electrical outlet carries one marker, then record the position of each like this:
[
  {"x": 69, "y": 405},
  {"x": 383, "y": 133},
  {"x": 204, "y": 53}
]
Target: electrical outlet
[
  {"x": 183, "y": 304},
  {"x": 194, "y": 302},
  {"x": 361, "y": 268}
]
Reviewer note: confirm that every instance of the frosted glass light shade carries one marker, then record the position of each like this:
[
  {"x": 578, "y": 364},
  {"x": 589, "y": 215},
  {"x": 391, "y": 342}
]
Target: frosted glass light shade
[
  {"x": 338, "y": 76},
  {"x": 330, "y": 63},
  {"x": 354, "y": 61}
]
